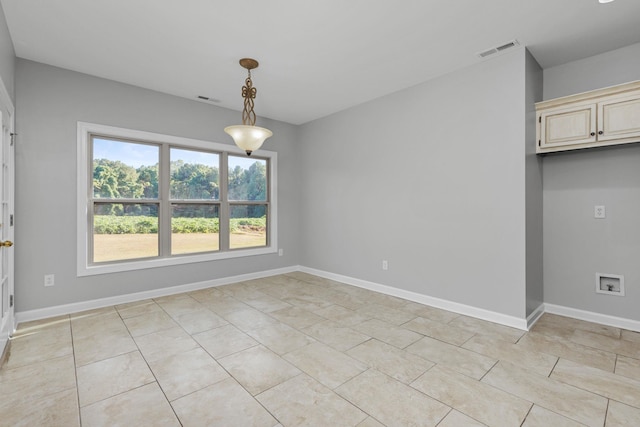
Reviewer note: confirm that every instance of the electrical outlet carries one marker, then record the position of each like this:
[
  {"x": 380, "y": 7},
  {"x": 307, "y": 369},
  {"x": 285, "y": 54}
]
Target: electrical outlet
[
  {"x": 600, "y": 212},
  {"x": 49, "y": 280},
  {"x": 385, "y": 264},
  {"x": 280, "y": 252}
]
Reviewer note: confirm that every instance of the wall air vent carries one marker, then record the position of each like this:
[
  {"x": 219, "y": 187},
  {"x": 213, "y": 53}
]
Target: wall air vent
[{"x": 498, "y": 49}]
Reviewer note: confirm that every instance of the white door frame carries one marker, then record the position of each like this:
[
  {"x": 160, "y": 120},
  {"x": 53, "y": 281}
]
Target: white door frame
[{"x": 7, "y": 163}]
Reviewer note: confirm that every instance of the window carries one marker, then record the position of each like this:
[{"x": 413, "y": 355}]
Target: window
[
  {"x": 248, "y": 202},
  {"x": 148, "y": 200}
]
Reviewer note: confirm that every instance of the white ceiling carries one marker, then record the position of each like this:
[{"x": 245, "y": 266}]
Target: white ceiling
[{"x": 316, "y": 57}]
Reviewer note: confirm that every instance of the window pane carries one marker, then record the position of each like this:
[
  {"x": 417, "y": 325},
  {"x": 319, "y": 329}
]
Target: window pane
[
  {"x": 247, "y": 179},
  {"x": 194, "y": 228},
  {"x": 248, "y": 226},
  {"x": 124, "y": 169},
  {"x": 124, "y": 231},
  {"x": 194, "y": 175}
]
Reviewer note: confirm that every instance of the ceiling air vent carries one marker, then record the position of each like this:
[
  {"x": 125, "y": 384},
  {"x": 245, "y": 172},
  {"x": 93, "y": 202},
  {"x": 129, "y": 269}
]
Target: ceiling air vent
[
  {"x": 498, "y": 49},
  {"x": 206, "y": 98}
]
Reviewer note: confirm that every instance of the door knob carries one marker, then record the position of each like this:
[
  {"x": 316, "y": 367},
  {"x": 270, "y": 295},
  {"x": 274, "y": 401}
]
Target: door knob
[{"x": 6, "y": 243}]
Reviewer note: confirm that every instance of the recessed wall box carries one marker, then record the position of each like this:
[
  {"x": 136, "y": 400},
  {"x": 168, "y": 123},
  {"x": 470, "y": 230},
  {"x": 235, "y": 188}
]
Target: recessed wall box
[{"x": 610, "y": 284}]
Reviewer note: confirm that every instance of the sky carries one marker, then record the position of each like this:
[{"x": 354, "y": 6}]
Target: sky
[{"x": 136, "y": 155}]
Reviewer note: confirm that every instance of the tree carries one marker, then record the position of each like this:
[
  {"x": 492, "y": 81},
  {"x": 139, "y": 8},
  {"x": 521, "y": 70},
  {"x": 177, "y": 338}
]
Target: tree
[
  {"x": 256, "y": 178},
  {"x": 237, "y": 188},
  {"x": 194, "y": 181},
  {"x": 148, "y": 178},
  {"x": 114, "y": 180}
]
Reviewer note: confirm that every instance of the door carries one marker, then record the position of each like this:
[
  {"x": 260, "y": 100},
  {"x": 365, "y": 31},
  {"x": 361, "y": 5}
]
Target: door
[
  {"x": 619, "y": 117},
  {"x": 6, "y": 217},
  {"x": 568, "y": 126}
]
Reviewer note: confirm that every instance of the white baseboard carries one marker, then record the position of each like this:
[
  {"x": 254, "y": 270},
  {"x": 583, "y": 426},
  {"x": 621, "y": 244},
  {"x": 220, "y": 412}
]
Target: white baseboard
[
  {"x": 535, "y": 316},
  {"x": 479, "y": 313},
  {"x": 455, "y": 307},
  {"x": 589, "y": 316},
  {"x": 59, "y": 310}
]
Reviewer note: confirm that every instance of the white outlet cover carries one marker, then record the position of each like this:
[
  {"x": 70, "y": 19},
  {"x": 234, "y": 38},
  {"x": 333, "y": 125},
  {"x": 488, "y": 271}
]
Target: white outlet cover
[
  {"x": 49, "y": 280},
  {"x": 600, "y": 212}
]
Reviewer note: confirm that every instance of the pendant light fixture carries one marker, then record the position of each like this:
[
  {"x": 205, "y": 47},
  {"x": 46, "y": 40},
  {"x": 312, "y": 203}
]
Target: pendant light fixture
[{"x": 248, "y": 136}]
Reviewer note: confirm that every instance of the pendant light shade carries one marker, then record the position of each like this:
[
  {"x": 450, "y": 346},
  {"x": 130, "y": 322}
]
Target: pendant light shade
[{"x": 247, "y": 136}]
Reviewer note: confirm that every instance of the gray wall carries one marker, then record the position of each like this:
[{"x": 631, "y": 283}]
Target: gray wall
[
  {"x": 7, "y": 57},
  {"x": 51, "y": 102},
  {"x": 608, "y": 69},
  {"x": 576, "y": 245},
  {"x": 431, "y": 179},
  {"x": 451, "y": 204},
  {"x": 534, "y": 211}
]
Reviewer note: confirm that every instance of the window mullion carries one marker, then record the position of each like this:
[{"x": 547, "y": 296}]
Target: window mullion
[
  {"x": 224, "y": 202},
  {"x": 164, "y": 226},
  {"x": 90, "y": 199},
  {"x": 269, "y": 198}
]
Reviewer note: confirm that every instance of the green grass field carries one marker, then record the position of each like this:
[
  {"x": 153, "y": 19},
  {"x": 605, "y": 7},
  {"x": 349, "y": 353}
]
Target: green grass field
[{"x": 113, "y": 247}]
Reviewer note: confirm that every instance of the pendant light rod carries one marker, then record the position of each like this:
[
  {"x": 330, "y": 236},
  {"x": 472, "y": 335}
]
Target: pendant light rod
[
  {"x": 249, "y": 92},
  {"x": 248, "y": 136}
]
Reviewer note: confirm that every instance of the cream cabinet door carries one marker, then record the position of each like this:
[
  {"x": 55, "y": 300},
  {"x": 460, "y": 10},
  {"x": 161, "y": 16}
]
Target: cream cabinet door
[
  {"x": 567, "y": 126},
  {"x": 619, "y": 117}
]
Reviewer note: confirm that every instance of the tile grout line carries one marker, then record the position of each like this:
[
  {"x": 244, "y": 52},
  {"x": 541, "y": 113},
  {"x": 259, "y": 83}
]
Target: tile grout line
[
  {"x": 147, "y": 363},
  {"x": 554, "y": 367},
  {"x": 350, "y": 327},
  {"x": 443, "y": 418},
  {"x": 524, "y": 420},
  {"x": 119, "y": 355},
  {"x": 606, "y": 413},
  {"x": 212, "y": 357},
  {"x": 436, "y": 399},
  {"x": 75, "y": 370}
]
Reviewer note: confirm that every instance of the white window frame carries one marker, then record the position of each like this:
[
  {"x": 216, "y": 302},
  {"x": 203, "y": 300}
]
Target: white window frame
[{"x": 86, "y": 130}]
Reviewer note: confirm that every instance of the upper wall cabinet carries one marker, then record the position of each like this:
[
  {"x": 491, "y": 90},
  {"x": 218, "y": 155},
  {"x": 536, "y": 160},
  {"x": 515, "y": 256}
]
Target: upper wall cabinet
[{"x": 592, "y": 119}]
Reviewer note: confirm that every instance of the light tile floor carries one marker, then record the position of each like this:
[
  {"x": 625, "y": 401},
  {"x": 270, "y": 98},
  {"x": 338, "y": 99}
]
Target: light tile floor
[{"x": 298, "y": 350}]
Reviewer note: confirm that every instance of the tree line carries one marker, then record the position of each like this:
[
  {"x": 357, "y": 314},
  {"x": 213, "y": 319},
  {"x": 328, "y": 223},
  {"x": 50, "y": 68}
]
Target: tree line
[{"x": 113, "y": 179}]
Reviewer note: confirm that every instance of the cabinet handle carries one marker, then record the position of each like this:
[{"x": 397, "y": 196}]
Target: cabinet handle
[
  {"x": 600, "y": 132},
  {"x": 593, "y": 134}
]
